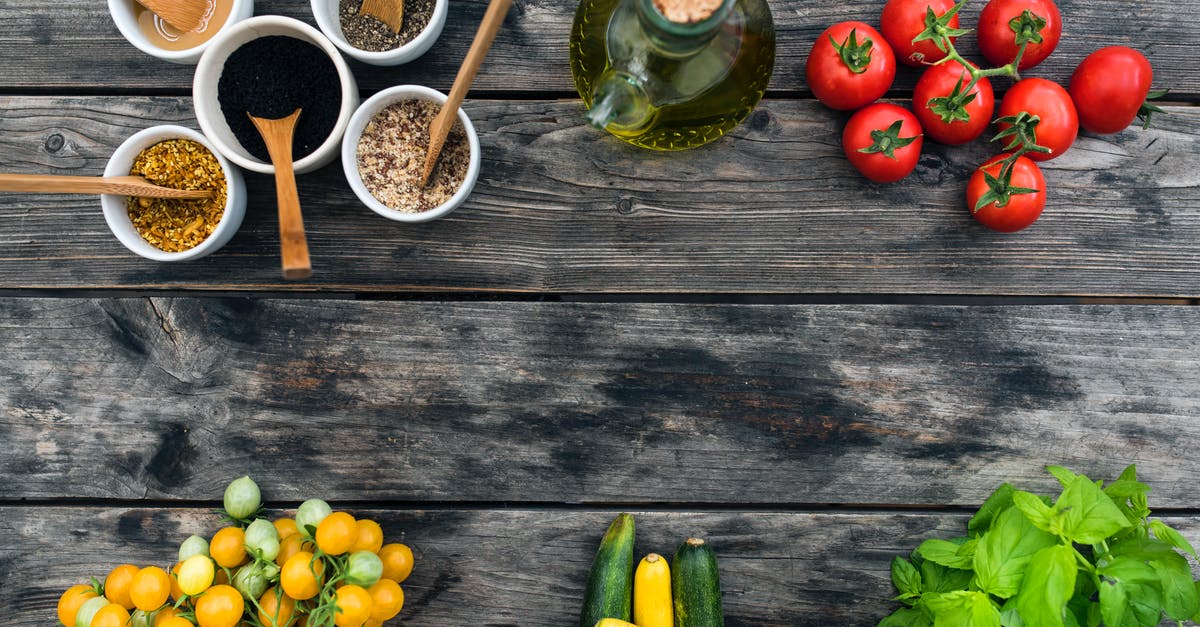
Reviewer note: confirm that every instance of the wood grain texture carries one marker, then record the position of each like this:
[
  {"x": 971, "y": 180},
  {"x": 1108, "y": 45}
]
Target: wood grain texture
[
  {"x": 64, "y": 44},
  {"x": 560, "y": 207},
  {"x": 590, "y": 403},
  {"x": 519, "y": 568}
]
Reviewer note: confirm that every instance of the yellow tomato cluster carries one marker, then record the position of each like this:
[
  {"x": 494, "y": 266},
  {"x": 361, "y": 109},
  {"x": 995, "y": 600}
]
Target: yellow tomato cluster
[{"x": 319, "y": 569}]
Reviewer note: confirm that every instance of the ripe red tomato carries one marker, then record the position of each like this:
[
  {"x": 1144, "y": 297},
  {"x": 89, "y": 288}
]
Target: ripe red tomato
[
  {"x": 883, "y": 141},
  {"x": 1000, "y": 21},
  {"x": 1022, "y": 209},
  {"x": 850, "y": 65},
  {"x": 1049, "y": 101},
  {"x": 903, "y": 20},
  {"x": 950, "y": 127},
  {"x": 1109, "y": 87}
]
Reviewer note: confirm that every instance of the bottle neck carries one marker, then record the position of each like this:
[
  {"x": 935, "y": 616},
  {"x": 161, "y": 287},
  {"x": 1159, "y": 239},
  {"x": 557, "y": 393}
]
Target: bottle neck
[{"x": 681, "y": 37}]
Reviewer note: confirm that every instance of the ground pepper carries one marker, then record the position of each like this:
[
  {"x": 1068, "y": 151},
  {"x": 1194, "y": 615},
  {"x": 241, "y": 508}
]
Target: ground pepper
[
  {"x": 173, "y": 224},
  {"x": 270, "y": 77},
  {"x": 391, "y": 157},
  {"x": 368, "y": 33}
]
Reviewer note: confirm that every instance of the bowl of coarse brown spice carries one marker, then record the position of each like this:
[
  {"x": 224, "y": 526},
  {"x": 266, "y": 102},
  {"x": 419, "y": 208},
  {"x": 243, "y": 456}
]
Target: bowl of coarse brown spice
[
  {"x": 173, "y": 229},
  {"x": 383, "y": 155},
  {"x": 369, "y": 40}
]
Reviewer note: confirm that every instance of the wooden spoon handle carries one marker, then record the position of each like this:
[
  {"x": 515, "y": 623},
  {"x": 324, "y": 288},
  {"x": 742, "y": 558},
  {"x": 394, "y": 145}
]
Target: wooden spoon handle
[
  {"x": 122, "y": 185},
  {"x": 444, "y": 121},
  {"x": 292, "y": 242}
]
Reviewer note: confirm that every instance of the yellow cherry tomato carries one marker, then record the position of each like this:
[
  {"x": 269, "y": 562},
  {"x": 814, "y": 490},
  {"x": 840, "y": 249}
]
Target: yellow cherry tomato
[
  {"x": 337, "y": 533},
  {"x": 196, "y": 574},
  {"x": 353, "y": 606},
  {"x": 117, "y": 584},
  {"x": 220, "y": 606},
  {"x": 286, "y": 527},
  {"x": 111, "y": 615},
  {"x": 163, "y": 614},
  {"x": 370, "y": 536},
  {"x": 150, "y": 589},
  {"x": 290, "y": 546},
  {"x": 397, "y": 561},
  {"x": 276, "y": 606},
  {"x": 228, "y": 547},
  {"x": 176, "y": 593},
  {"x": 71, "y": 600},
  {"x": 173, "y": 621},
  {"x": 387, "y": 597},
  {"x": 300, "y": 576}
]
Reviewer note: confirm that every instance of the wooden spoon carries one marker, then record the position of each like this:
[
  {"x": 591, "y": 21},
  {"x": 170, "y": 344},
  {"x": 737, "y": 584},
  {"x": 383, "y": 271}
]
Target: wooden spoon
[
  {"x": 390, "y": 12},
  {"x": 277, "y": 134},
  {"x": 185, "y": 15},
  {"x": 122, "y": 185},
  {"x": 441, "y": 125}
]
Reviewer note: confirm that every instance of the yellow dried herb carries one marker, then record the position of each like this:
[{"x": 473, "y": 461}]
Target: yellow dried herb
[{"x": 173, "y": 224}]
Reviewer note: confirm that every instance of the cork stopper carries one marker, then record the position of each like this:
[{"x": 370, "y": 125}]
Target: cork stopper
[{"x": 687, "y": 11}]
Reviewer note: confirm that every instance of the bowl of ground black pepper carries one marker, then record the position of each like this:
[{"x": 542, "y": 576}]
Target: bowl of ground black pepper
[
  {"x": 269, "y": 66},
  {"x": 369, "y": 40},
  {"x": 383, "y": 155},
  {"x": 171, "y": 229}
]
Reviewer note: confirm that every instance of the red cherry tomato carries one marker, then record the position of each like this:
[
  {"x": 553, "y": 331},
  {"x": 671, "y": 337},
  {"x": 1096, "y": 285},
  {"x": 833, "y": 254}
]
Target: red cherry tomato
[
  {"x": 1109, "y": 87},
  {"x": 1049, "y": 101},
  {"x": 1021, "y": 210},
  {"x": 938, "y": 82},
  {"x": 877, "y": 147},
  {"x": 903, "y": 20},
  {"x": 846, "y": 73},
  {"x": 998, "y": 39}
]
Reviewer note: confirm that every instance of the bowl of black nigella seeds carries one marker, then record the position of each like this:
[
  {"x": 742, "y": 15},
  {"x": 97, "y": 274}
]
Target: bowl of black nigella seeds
[{"x": 269, "y": 66}]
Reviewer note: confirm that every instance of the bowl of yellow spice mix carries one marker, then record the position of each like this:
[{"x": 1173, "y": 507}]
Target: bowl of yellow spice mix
[{"x": 167, "y": 229}]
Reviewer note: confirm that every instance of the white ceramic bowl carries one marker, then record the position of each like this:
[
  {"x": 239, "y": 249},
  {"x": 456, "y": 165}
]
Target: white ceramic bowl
[
  {"x": 126, "y": 20},
  {"x": 326, "y": 14},
  {"x": 208, "y": 73},
  {"x": 117, "y": 215},
  {"x": 350, "y": 153}
]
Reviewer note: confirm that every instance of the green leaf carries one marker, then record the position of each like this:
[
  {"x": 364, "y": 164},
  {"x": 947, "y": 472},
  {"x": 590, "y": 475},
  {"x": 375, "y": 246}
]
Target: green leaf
[
  {"x": 948, "y": 553},
  {"x": 906, "y": 617},
  {"x": 938, "y": 578},
  {"x": 855, "y": 56},
  {"x": 1178, "y": 589},
  {"x": 1064, "y": 476},
  {"x": 1004, "y": 552},
  {"x": 1089, "y": 515},
  {"x": 999, "y": 501},
  {"x": 1172, "y": 537},
  {"x": 1129, "y": 593},
  {"x": 1049, "y": 583},
  {"x": 886, "y": 141},
  {"x": 906, "y": 578},
  {"x": 962, "y": 608},
  {"x": 1037, "y": 511}
]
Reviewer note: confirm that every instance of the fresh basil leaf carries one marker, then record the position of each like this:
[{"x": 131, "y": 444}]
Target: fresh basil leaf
[
  {"x": 1004, "y": 552},
  {"x": 1141, "y": 549},
  {"x": 1049, "y": 582},
  {"x": 1089, "y": 515},
  {"x": 1172, "y": 537},
  {"x": 999, "y": 501},
  {"x": 906, "y": 578},
  {"x": 1037, "y": 511},
  {"x": 938, "y": 578},
  {"x": 1130, "y": 592},
  {"x": 906, "y": 617},
  {"x": 1129, "y": 474},
  {"x": 1179, "y": 590},
  {"x": 947, "y": 553},
  {"x": 1064, "y": 476},
  {"x": 1122, "y": 489},
  {"x": 963, "y": 608}
]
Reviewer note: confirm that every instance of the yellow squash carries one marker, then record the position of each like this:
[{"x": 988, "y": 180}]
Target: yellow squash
[
  {"x": 652, "y": 593},
  {"x": 613, "y": 622}
]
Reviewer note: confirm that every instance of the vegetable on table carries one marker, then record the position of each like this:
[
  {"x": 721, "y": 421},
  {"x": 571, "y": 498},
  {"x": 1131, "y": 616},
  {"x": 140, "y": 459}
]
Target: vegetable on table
[
  {"x": 696, "y": 586},
  {"x": 652, "y": 605},
  {"x": 609, "y": 591},
  {"x": 851, "y": 65}
]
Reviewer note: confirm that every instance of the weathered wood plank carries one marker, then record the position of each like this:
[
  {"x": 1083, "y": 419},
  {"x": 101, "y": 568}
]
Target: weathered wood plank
[
  {"x": 64, "y": 45},
  {"x": 591, "y": 403},
  {"x": 561, "y": 207},
  {"x": 519, "y": 568}
]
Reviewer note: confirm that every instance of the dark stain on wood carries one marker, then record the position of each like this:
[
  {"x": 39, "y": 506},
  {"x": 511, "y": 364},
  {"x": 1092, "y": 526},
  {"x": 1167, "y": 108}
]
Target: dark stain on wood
[
  {"x": 149, "y": 526},
  {"x": 124, "y": 333},
  {"x": 170, "y": 465}
]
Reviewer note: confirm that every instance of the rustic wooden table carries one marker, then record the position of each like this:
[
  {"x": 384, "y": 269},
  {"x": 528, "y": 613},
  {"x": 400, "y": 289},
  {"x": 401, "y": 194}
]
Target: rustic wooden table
[{"x": 745, "y": 342}]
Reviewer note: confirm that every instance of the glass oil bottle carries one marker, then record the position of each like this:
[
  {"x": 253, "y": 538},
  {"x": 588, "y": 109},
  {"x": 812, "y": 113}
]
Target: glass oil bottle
[{"x": 667, "y": 84}]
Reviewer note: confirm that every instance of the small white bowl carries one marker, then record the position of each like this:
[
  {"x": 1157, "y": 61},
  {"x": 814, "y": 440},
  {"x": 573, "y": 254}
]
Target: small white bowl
[
  {"x": 374, "y": 105},
  {"x": 208, "y": 74},
  {"x": 125, "y": 17},
  {"x": 117, "y": 215},
  {"x": 326, "y": 14}
]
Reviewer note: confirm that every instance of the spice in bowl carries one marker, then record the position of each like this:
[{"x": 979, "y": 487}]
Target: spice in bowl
[
  {"x": 391, "y": 157},
  {"x": 167, "y": 37},
  {"x": 367, "y": 32},
  {"x": 271, "y": 77},
  {"x": 176, "y": 225}
]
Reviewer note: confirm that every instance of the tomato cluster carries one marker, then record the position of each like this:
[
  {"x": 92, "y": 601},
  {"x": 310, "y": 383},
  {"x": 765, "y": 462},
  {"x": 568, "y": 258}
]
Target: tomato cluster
[
  {"x": 852, "y": 65},
  {"x": 319, "y": 569}
]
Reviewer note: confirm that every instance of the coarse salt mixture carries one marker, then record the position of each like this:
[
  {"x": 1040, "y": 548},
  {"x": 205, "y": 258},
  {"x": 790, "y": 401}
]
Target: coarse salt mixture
[{"x": 391, "y": 157}]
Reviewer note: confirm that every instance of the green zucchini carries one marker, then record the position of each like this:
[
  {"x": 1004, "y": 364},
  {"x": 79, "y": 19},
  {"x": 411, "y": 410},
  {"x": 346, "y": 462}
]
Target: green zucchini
[
  {"x": 696, "y": 586},
  {"x": 609, "y": 592}
]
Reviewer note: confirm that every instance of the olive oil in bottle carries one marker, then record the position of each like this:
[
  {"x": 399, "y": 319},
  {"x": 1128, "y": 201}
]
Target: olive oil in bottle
[{"x": 671, "y": 74}]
